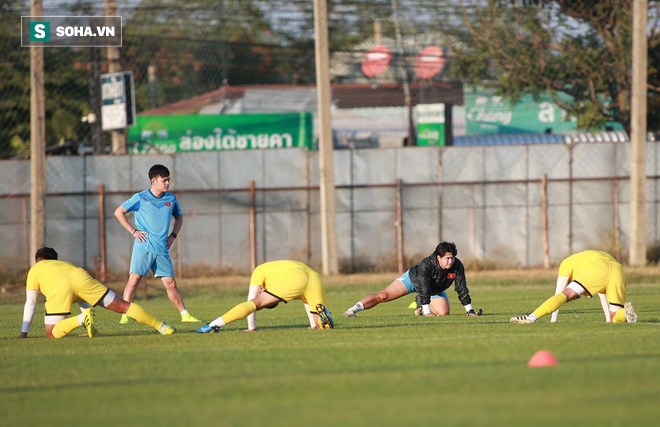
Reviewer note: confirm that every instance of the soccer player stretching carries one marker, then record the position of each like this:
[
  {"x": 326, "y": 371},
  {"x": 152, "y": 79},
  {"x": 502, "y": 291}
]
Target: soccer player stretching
[
  {"x": 272, "y": 283},
  {"x": 430, "y": 279},
  {"x": 153, "y": 209},
  {"x": 589, "y": 273},
  {"x": 64, "y": 284}
]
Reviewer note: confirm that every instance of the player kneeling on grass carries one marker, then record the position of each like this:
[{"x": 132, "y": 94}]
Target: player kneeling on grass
[
  {"x": 431, "y": 277},
  {"x": 272, "y": 283},
  {"x": 64, "y": 284},
  {"x": 590, "y": 273}
]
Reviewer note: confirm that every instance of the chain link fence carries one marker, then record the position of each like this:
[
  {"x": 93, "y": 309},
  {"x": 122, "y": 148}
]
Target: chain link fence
[{"x": 393, "y": 206}]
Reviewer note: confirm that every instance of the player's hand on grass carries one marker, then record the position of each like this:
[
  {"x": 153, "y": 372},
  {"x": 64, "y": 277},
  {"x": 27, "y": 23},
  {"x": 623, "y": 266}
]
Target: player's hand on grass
[{"x": 474, "y": 313}]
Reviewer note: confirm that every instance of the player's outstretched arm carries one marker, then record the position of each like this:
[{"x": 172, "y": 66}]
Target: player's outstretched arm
[
  {"x": 253, "y": 291},
  {"x": 606, "y": 307},
  {"x": 310, "y": 316},
  {"x": 28, "y": 311}
]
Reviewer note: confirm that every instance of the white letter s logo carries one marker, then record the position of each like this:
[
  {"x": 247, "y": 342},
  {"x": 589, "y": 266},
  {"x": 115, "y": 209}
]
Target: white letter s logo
[{"x": 39, "y": 31}]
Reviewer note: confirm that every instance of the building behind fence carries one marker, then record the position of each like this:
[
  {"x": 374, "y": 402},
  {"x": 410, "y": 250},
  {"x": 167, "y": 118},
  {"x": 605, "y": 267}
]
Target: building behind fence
[{"x": 510, "y": 206}]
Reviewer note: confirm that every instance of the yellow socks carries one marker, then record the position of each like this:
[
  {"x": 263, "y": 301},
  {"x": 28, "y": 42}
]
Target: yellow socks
[
  {"x": 138, "y": 313},
  {"x": 64, "y": 327},
  {"x": 550, "y": 305},
  {"x": 238, "y": 312},
  {"x": 619, "y": 317}
]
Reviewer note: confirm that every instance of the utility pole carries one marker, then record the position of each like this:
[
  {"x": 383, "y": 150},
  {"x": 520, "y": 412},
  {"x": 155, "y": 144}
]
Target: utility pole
[
  {"x": 378, "y": 32},
  {"x": 326, "y": 153},
  {"x": 37, "y": 141},
  {"x": 638, "y": 135},
  {"x": 153, "y": 91},
  {"x": 403, "y": 75},
  {"x": 118, "y": 137},
  {"x": 95, "y": 99}
]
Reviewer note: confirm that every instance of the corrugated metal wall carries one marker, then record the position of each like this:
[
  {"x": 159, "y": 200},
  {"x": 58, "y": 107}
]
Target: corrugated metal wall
[{"x": 486, "y": 199}]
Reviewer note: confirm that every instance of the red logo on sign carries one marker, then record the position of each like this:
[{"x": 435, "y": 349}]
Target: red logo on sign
[
  {"x": 430, "y": 61},
  {"x": 376, "y": 61},
  {"x": 168, "y": 204},
  {"x": 451, "y": 276}
]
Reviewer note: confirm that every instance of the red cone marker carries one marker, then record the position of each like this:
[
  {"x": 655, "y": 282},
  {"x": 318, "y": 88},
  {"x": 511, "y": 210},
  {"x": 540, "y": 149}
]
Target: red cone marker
[{"x": 542, "y": 358}]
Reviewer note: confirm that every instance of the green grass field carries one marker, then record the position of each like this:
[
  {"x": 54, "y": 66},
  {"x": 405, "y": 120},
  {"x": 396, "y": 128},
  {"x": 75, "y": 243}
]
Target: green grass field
[{"x": 386, "y": 367}]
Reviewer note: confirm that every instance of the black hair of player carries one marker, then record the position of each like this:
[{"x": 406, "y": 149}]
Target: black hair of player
[
  {"x": 45, "y": 253},
  {"x": 158, "y": 171},
  {"x": 445, "y": 247}
]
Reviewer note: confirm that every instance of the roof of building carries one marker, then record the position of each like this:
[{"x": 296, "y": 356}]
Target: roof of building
[{"x": 274, "y": 98}]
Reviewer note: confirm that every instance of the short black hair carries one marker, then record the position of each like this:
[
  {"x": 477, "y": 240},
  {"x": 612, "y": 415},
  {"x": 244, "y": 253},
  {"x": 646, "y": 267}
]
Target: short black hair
[
  {"x": 158, "y": 170},
  {"x": 45, "y": 253},
  {"x": 444, "y": 247}
]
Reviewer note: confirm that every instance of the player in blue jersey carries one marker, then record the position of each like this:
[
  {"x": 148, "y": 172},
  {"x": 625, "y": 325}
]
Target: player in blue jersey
[{"x": 154, "y": 209}]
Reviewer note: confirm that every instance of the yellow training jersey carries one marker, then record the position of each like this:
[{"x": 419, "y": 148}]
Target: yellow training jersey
[
  {"x": 273, "y": 272},
  {"x": 289, "y": 280},
  {"x": 577, "y": 263},
  {"x": 63, "y": 284},
  {"x": 596, "y": 271},
  {"x": 49, "y": 274}
]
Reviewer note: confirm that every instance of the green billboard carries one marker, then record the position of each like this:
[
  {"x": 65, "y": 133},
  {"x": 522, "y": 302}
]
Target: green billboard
[
  {"x": 486, "y": 113},
  {"x": 430, "y": 124},
  {"x": 181, "y": 133}
]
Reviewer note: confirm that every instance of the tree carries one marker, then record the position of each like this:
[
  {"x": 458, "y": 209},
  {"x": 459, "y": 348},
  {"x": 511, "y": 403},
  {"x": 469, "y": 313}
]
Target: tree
[
  {"x": 200, "y": 45},
  {"x": 582, "y": 48},
  {"x": 66, "y": 88}
]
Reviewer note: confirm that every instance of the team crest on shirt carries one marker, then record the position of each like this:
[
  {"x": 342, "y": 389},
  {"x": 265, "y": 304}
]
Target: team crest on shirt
[
  {"x": 451, "y": 276},
  {"x": 168, "y": 204}
]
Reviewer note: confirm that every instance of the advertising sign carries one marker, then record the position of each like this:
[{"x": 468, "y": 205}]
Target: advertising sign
[
  {"x": 117, "y": 100},
  {"x": 170, "y": 134},
  {"x": 376, "y": 61},
  {"x": 430, "y": 124},
  {"x": 429, "y": 62},
  {"x": 486, "y": 113}
]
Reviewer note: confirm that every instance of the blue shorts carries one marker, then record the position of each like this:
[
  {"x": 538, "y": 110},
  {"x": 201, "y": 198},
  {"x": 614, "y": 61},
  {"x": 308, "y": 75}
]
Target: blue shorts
[
  {"x": 405, "y": 279},
  {"x": 143, "y": 261}
]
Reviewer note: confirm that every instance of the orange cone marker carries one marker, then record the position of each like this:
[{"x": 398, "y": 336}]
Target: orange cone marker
[{"x": 542, "y": 358}]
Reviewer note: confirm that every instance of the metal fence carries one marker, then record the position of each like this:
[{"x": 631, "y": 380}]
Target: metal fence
[{"x": 503, "y": 206}]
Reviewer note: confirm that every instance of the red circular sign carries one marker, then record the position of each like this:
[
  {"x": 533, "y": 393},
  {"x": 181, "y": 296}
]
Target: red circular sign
[
  {"x": 430, "y": 61},
  {"x": 376, "y": 61}
]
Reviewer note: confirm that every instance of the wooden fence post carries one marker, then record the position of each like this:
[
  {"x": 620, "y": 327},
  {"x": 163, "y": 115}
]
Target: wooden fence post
[
  {"x": 544, "y": 216},
  {"x": 102, "y": 240},
  {"x": 252, "y": 227},
  {"x": 399, "y": 227}
]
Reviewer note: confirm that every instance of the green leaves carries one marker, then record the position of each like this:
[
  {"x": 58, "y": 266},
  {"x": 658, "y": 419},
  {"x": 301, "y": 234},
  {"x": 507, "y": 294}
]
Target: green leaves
[{"x": 578, "y": 47}]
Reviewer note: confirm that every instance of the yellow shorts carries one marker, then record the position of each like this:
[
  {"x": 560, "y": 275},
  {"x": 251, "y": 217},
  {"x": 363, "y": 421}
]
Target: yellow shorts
[
  {"x": 302, "y": 285},
  {"x": 607, "y": 277},
  {"x": 77, "y": 286}
]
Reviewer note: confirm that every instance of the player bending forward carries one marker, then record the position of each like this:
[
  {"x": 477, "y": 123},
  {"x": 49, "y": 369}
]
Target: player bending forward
[
  {"x": 272, "y": 283},
  {"x": 590, "y": 273},
  {"x": 64, "y": 284},
  {"x": 430, "y": 279}
]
